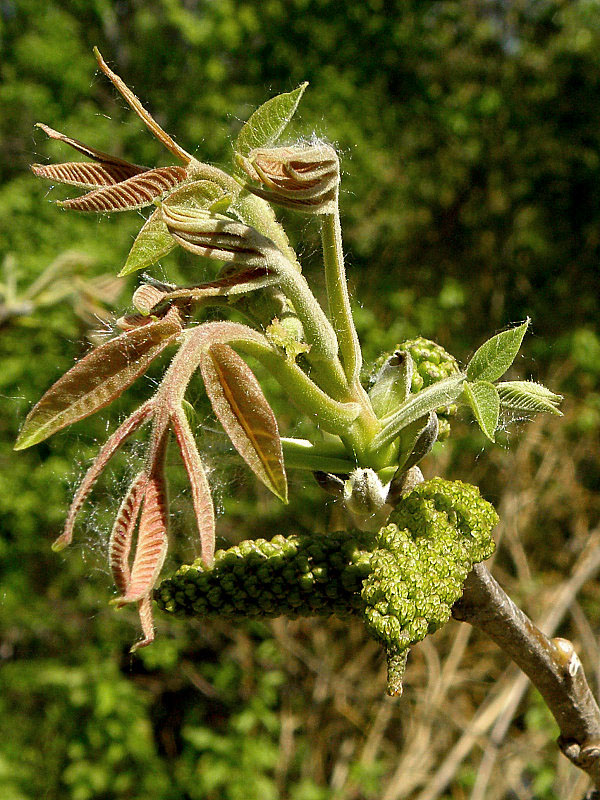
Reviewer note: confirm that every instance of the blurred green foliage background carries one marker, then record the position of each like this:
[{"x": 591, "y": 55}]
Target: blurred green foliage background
[{"x": 470, "y": 142}]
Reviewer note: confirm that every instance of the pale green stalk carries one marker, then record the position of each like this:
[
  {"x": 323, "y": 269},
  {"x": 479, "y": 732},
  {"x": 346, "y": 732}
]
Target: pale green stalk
[
  {"x": 340, "y": 312},
  {"x": 331, "y": 415}
]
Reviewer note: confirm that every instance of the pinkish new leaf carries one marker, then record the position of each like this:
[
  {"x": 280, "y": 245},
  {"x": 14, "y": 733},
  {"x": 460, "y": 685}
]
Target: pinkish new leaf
[
  {"x": 243, "y": 411},
  {"x": 98, "y": 379},
  {"x": 201, "y": 497},
  {"x": 135, "y": 192},
  {"x": 139, "y": 109},
  {"x": 131, "y": 424}
]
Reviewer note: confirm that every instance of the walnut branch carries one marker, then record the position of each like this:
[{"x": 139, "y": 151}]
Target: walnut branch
[{"x": 551, "y": 664}]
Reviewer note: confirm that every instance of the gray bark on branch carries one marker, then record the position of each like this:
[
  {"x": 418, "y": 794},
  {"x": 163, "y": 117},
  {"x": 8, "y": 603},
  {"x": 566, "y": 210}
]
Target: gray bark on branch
[{"x": 552, "y": 665}]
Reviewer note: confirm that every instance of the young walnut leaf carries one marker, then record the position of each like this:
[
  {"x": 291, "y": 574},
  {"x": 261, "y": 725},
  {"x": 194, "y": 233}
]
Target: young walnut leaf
[
  {"x": 244, "y": 413},
  {"x": 496, "y": 355},
  {"x": 483, "y": 398},
  {"x": 119, "y": 546},
  {"x": 152, "y": 540},
  {"x": 269, "y": 121},
  {"x": 135, "y": 192},
  {"x": 147, "y": 622},
  {"x": 529, "y": 397},
  {"x": 139, "y": 109},
  {"x": 147, "y": 297},
  {"x": 154, "y": 240},
  {"x": 110, "y": 447},
  {"x": 103, "y": 158},
  {"x": 98, "y": 379},
  {"x": 201, "y": 497},
  {"x": 85, "y": 175}
]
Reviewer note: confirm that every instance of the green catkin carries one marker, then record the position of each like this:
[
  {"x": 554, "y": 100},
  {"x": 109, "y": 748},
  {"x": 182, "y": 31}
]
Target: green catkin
[{"x": 402, "y": 580}]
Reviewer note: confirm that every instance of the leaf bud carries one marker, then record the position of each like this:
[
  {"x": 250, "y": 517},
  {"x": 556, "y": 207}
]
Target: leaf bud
[{"x": 304, "y": 177}]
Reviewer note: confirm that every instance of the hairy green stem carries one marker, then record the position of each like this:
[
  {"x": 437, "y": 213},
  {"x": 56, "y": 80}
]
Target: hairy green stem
[
  {"x": 331, "y": 415},
  {"x": 340, "y": 312}
]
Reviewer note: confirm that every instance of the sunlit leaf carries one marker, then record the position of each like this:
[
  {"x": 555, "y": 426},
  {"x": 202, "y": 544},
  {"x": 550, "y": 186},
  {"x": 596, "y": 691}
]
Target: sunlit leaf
[
  {"x": 152, "y": 541},
  {"x": 529, "y": 397},
  {"x": 201, "y": 496},
  {"x": 269, "y": 121},
  {"x": 147, "y": 297},
  {"x": 152, "y": 243},
  {"x": 246, "y": 416},
  {"x": 139, "y": 109},
  {"x": 483, "y": 398},
  {"x": 84, "y": 174},
  {"x": 154, "y": 240},
  {"x": 135, "y": 192},
  {"x": 98, "y": 379},
  {"x": 90, "y": 152},
  {"x": 496, "y": 355},
  {"x": 110, "y": 447},
  {"x": 119, "y": 545}
]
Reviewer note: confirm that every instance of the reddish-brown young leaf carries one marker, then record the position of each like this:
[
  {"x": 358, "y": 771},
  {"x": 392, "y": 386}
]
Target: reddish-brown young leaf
[
  {"x": 91, "y": 152},
  {"x": 119, "y": 546},
  {"x": 243, "y": 411},
  {"x": 135, "y": 192},
  {"x": 85, "y": 174},
  {"x": 152, "y": 542},
  {"x": 98, "y": 379},
  {"x": 131, "y": 424},
  {"x": 139, "y": 109},
  {"x": 201, "y": 497},
  {"x": 147, "y": 621},
  {"x": 147, "y": 297}
]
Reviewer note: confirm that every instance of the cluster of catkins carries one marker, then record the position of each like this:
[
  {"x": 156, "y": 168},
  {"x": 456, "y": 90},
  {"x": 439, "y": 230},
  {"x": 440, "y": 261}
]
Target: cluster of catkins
[{"x": 402, "y": 580}]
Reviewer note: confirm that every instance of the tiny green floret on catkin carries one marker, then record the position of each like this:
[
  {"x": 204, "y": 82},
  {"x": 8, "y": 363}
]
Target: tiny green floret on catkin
[{"x": 402, "y": 580}]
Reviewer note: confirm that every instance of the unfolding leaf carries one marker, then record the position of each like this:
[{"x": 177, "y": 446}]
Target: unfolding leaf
[
  {"x": 441, "y": 393},
  {"x": 201, "y": 497},
  {"x": 147, "y": 622},
  {"x": 147, "y": 297},
  {"x": 90, "y": 152},
  {"x": 269, "y": 121},
  {"x": 152, "y": 243},
  {"x": 152, "y": 541},
  {"x": 496, "y": 355},
  {"x": 391, "y": 386},
  {"x": 528, "y": 396},
  {"x": 135, "y": 192},
  {"x": 85, "y": 174},
  {"x": 98, "y": 379},
  {"x": 119, "y": 546},
  {"x": 131, "y": 424},
  {"x": 483, "y": 398},
  {"x": 154, "y": 240},
  {"x": 244, "y": 413},
  {"x": 139, "y": 109}
]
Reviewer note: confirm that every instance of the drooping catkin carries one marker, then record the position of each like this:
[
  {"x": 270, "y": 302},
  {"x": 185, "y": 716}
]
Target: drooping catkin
[{"x": 402, "y": 580}]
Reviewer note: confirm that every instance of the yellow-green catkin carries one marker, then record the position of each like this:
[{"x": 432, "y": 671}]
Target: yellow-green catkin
[{"x": 402, "y": 580}]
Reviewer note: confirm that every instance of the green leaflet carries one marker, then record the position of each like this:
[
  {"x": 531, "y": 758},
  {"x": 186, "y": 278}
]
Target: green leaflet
[
  {"x": 438, "y": 394},
  {"x": 154, "y": 240},
  {"x": 484, "y": 401},
  {"x": 528, "y": 396},
  {"x": 496, "y": 355},
  {"x": 269, "y": 121},
  {"x": 392, "y": 384}
]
